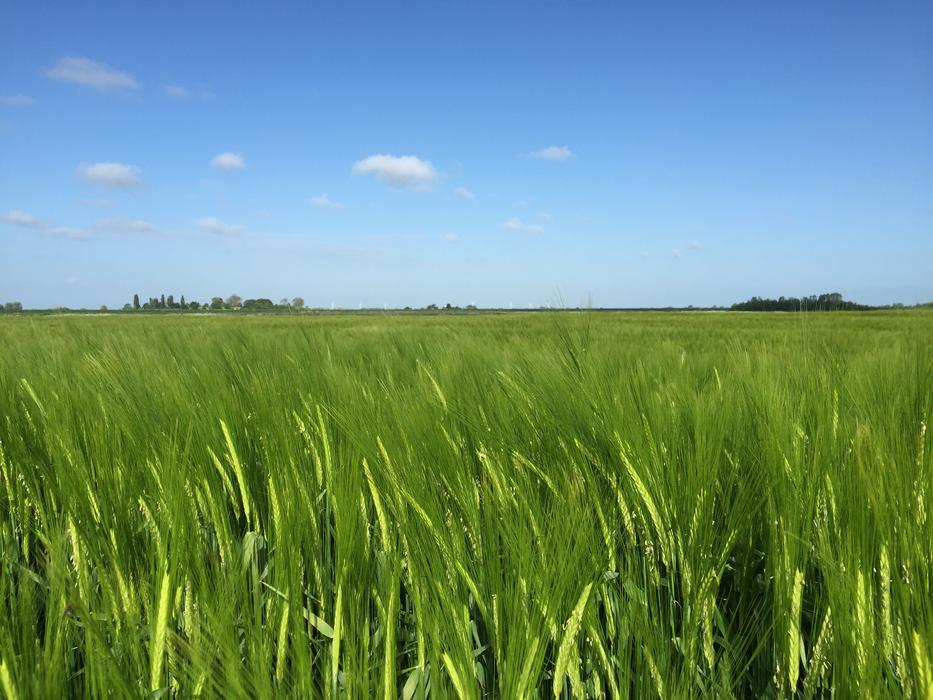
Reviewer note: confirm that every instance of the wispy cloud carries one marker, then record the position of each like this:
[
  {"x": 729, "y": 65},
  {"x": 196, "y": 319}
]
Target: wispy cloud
[
  {"x": 117, "y": 175},
  {"x": 464, "y": 193},
  {"x": 23, "y": 219},
  {"x": 74, "y": 234},
  {"x": 691, "y": 247},
  {"x": 16, "y": 101},
  {"x": 399, "y": 172},
  {"x": 118, "y": 227},
  {"x": 84, "y": 71},
  {"x": 519, "y": 226},
  {"x": 452, "y": 237},
  {"x": 324, "y": 202},
  {"x": 553, "y": 153},
  {"x": 176, "y": 91},
  {"x": 127, "y": 227},
  {"x": 228, "y": 161},
  {"x": 15, "y": 217},
  {"x": 216, "y": 227}
]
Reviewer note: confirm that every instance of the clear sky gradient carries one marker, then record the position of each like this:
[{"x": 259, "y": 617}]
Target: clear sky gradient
[{"x": 631, "y": 154}]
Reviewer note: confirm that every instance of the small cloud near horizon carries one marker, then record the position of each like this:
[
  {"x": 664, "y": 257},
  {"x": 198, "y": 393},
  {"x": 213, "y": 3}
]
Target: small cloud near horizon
[
  {"x": 22, "y": 219},
  {"x": 16, "y": 217},
  {"x": 126, "y": 227},
  {"x": 216, "y": 227}
]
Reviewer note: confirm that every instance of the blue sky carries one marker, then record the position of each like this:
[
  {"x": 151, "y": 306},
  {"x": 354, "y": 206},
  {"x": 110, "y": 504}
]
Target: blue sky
[{"x": 410, "y": 153}]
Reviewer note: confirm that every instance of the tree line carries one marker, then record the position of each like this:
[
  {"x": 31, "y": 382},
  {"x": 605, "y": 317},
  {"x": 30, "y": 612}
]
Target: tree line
[
  {"x": 233, "y": 302},
  {"x": 824, "y": 302}
]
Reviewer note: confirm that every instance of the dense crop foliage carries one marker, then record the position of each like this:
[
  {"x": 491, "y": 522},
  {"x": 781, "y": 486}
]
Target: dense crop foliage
[{"x": 587, "y": 505}]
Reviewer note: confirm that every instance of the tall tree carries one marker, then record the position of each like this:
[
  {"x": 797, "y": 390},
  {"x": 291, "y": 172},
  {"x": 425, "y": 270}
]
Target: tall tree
[
  {"x": 298, "y": 303},
  {"x": 136, "y": 302}
]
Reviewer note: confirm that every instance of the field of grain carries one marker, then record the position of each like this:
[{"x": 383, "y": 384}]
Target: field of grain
[{"x": 574, "y": 505}]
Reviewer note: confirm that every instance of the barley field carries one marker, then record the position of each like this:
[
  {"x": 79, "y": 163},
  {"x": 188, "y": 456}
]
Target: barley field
[{"x": 566, "y": 505}]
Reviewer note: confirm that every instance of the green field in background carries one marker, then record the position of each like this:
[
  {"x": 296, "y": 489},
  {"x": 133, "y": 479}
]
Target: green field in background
[{"x": 513, "y": 506}]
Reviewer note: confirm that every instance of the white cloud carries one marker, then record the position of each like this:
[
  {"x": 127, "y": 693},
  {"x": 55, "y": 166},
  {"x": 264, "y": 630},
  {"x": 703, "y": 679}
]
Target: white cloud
[
  {"x": 16, "y": 101},
  {"x": 553, "y": 153},
  {"x": 23, "y": 219},
  {"x": 176, "y": 91},
  {"x": 116, "y": 175},
  {"x": 215, "y": 226},
  {"x": 452, "y": 237},
  {"x": 464, "y": 193},
  {"x": 399, "y": 172},
  {"x": 696, "y": 245},
  {"x": 229, "y": 161},
  {"x": 123, "y": 227},
  {"x": 516, "y": 224},
  {"x": 127, "y": 227},
  {"x": 325, "y": 202},
  {"x": 15, "y": 217},
  {"x": 84, "y": 71}
]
